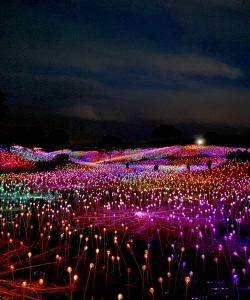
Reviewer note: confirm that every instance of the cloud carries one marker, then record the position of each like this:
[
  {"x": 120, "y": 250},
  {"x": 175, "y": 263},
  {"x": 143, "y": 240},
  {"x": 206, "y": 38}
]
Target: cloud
[
  {"x": 96, "y": 57},
  {"x": 90, "y": 112},
  {"x": 226, "y": 21},
  {"x": 92, "y": 100},
  {"x": 217, "y": 105},
  {"x": 193, "y": 64},
  {"x": 81, "y": 111},
  {"x": 202, "y": 103},
  {"x": 67, "y": 44}
]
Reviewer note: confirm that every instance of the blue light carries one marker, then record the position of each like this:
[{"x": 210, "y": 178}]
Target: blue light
[{"x": 235, "y": 277}]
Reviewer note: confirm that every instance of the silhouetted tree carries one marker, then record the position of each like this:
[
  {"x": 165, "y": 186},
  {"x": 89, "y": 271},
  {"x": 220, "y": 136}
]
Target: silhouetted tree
[
  {"x": 238, "y": 155},
  {"x": 165, "y": 131},
  {"x": 109, "y": 142},
  {"x": 212, "y": 138},
  {"x": 57, "y": 139},
  {"x": 36, "y": 137},
  {"x": 18, "y": 135},
  {"x": 27, "y": 137},
  {"x": 62, "y": 159}
]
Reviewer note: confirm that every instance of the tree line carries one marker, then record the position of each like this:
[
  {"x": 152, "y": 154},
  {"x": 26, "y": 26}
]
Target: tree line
[
  {"x": 36, "y": 137},
  {"x": 30, "y": 136}
]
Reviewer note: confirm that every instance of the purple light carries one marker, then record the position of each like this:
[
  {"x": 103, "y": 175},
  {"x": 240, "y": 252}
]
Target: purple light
[{"x": 235, "y": 277}]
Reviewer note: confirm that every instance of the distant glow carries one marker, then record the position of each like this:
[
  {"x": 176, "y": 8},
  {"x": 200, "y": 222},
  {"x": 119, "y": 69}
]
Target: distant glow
[{"x": 200, "y": 142}]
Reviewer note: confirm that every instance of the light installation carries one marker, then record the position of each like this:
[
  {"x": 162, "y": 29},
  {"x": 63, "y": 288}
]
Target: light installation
[{"x": 62, "y": 232}]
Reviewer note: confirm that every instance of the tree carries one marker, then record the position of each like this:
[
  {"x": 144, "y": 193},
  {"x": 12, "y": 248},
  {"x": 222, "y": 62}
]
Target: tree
[
  {"x": 27, "y": 137},
  {"x": 238, "y": 155},
  {"x": 165, "y": 131},
  {"x": 62, "y": 159},
  {"x": 109, "y": 142},
  {"x": 36, "y": 137},
  {"x": 213, "y": 138},
  {"x": 57, "y": 139},
  {"x": 18, "y": 135}
]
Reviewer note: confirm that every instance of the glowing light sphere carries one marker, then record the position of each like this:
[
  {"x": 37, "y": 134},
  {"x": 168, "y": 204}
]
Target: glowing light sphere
[
  {"x": 187, "y": 279},
  {"x": 75, "y": 277},
  {"x": 200, "y": 141},
  {"x": 235, "y": 277}
]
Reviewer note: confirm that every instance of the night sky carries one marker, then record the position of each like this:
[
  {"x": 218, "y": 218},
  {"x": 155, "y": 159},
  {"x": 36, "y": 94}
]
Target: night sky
[{"x": 123, "y": 67}]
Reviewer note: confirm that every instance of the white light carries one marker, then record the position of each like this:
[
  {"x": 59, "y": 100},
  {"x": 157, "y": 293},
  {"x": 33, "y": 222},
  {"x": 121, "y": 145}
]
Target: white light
[{"x": 200, "y": 142}]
